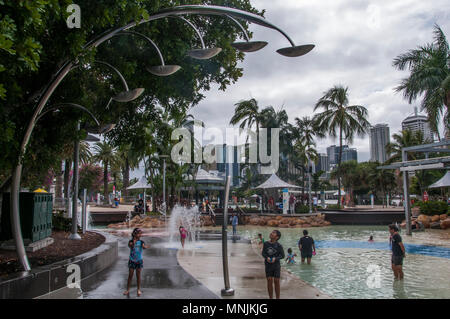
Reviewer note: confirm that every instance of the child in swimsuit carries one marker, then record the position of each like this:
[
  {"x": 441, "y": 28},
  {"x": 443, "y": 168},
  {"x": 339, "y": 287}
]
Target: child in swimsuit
[
  {"x": 135, "y": 261},
  {"x": 290, "y": 257},
  {"x": 183, "y": 235}
]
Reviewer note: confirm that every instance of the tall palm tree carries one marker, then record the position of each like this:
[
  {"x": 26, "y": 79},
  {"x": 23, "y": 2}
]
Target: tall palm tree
[
  {"x": 246, "y": 113},
  {"x": 305, "y": 130},
  {"x": 403, "y": 139},
  {"x": 339, "y": 119},
  {"x": 429, "y": 67},
  {"x": 106, "y": 154}
]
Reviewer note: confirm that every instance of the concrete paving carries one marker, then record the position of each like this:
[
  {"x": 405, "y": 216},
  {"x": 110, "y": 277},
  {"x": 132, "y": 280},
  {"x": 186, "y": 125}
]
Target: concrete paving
[
  {"x": 161, "y": 278},
  {"x": 247, "y": 274}
]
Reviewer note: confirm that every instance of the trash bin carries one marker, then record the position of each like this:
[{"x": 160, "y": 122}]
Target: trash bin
[{"x": 35, "y": 216}]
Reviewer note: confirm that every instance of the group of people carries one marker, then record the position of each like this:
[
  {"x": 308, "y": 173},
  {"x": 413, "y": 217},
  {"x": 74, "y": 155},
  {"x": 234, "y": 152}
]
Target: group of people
[{"x": 272, "y": 252}]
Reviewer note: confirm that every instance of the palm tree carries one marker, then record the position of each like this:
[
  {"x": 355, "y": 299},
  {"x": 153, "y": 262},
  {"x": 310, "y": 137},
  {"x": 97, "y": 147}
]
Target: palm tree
[
  {"x": 429, "y": 67},
  {"x": 305, "y": 130},
  {"x": 339, "y": 119},
  {"x": 382, "y": 181},
  {"x": 403, "y": 139},
  {"x": 246, "y": 113},
  {"x": 106, "y": 154}
]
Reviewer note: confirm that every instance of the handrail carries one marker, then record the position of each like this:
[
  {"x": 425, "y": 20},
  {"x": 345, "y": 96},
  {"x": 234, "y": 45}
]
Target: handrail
[{"x": 212, "y": 210}]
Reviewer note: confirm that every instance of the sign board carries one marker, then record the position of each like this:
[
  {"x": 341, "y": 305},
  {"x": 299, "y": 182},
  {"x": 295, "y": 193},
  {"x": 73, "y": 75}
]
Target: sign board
[
  {"x": 425, "y": 196},
  {"x": 285, "y": 200}
]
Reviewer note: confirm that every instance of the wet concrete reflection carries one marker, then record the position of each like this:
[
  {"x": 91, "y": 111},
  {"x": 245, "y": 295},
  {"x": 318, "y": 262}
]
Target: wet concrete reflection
[{"x": 161, "y": 277}]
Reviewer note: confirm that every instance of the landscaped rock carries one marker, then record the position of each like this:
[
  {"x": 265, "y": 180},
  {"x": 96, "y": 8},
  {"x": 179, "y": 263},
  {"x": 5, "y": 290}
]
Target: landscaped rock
[
  {"x": 262, "y": 222},
  {"x": 443, "y": 216},
  {"x": 445, "y": 223},
  {"x": 306, "y": 225},
  {"x": 435, "y": 225},
  {"x": 435, "y": 218},
  {"x": 273, "y": 223},
  {"x": 283, "y": 225}
]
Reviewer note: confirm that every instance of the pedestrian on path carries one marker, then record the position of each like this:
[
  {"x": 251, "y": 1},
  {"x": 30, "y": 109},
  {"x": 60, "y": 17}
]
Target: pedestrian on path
[
  {"x": 136, "y": 261},
  {"x": 234, "y": 223},
  {"x": 306, "y": 247},
  {"x": 273, "y": 252}
]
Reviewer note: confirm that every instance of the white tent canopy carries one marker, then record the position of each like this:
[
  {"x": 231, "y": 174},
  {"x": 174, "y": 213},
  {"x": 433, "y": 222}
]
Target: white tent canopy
[
  {"x": 203, "y": 176},
  {"x": 342, "y": 193},
  {"x": 275, "y": 182},
  {"x": 443, "y": 182},
  {"x": 141, "y": 184}
]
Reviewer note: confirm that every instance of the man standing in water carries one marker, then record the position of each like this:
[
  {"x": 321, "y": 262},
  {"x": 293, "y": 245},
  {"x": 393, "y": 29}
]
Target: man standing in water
[
  {"x": 398, "y": 252},
  {"x": 273, "y": 252},
  {"x": 306, "y": 246}
]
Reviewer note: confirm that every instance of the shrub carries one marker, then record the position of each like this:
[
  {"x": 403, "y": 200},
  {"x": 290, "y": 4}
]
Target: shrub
[
  {"x": 61, "y": 223},
  {"x": 431, "y": 208},
  {"x": 301, "y": 209}
]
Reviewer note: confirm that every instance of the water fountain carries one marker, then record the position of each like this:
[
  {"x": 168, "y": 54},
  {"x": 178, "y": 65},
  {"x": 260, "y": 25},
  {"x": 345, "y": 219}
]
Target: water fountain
[{"x": 189, "y": 218}]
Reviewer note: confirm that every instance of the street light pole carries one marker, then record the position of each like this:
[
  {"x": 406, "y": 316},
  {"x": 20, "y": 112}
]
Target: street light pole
[
  {"x": 227, "y": 291},
  {"x": 76, "y": 157},
  {"x": 292, "y": 51}
]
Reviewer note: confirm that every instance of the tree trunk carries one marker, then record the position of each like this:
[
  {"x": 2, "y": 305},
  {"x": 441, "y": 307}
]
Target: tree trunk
[
  {"x": 339, "y": 167},
  {"x": 126, "y": 177},
  {"x": 59, "y": 181},
  {"x": 67, "y": 164},
  {"x": 105, "y": 180}
]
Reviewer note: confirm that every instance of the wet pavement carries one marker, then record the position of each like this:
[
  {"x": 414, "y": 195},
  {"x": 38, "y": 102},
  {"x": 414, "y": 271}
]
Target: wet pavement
[{"x": 161, "y": 278}]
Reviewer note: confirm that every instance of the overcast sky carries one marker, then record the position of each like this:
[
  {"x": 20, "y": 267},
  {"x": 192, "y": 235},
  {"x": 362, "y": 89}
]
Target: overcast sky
[{"x": 356, "y": 42}]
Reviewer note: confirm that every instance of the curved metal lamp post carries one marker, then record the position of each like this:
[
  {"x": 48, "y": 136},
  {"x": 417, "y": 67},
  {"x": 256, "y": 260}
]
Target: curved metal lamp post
[
  {"x": 68, "y": 65},
  {"x": 204, "y": 53},
  {"x": 227, "y": 291}
]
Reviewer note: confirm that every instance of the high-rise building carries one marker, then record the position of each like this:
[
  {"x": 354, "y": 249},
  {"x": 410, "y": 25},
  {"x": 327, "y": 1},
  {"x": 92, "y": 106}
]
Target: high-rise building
[
  {"x": 417, "y": 122},
  {"x": 379, "y": 138},
  {"x": 227, "y": 162},
  {"x": 348, "y": 154},
  {"x": 323, "y": 164}
]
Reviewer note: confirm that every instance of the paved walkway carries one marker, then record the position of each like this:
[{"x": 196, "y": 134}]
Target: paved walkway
[
  {"x": 246, "y": 268},
  {"x": 161, "y": 278}
]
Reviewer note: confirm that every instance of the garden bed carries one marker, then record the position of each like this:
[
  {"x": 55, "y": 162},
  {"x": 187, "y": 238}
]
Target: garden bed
[{"x": 61, "y": 249}]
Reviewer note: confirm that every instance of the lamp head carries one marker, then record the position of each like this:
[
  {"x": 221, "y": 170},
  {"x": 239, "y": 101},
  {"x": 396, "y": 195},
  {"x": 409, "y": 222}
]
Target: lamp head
[
  {"x": 249, "y": 46},
  {"x": 100, "y": 129},
  {"x": 163, "y": 70},
  {"x": 296, "y": 51},
  {"x": 203, "y": 54},
  {"x": 128, "y": 96}
]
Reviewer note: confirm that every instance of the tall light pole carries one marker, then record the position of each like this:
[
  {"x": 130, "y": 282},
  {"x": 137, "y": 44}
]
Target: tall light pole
[
  {"x": 227, "y": 291},
  {"x": 164, "y": 185},
  {"x": 162, "y": 70}
]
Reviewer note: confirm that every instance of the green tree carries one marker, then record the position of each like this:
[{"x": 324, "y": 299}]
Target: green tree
[
  {"x": 339, "y": 119},
  {"x": 106, "y": 154},
  {"x": 429, "y": 77},
  {"x": 35, "y": 42}
]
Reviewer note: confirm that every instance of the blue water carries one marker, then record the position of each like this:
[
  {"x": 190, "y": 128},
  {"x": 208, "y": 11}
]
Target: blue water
[
  {"x": 345, "y": 261},
  {"x": 434, "y": 251}
]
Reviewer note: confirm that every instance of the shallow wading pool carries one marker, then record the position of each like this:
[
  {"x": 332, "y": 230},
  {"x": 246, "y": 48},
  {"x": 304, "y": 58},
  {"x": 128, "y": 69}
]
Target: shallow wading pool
[{"x": 348, "y": 266}]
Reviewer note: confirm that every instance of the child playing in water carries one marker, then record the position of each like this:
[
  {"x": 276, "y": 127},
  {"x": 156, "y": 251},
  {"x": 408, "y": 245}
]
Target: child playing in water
[
  {"x": 290, "y": 256},
  {"x": 183, "y": 234},
  {"x": 136, "y": 261}
]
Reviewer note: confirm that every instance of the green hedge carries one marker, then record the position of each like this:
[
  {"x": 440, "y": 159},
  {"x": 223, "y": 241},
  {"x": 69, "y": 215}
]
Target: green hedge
[
  {"x": 431, "y": 208},
  {"x": 301, "y": 209},
  {"x": 61, "y": 223}
]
